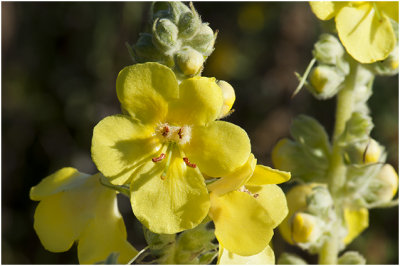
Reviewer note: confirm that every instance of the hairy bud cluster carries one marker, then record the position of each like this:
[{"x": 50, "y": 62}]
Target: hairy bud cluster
[{"x": 178, "y": 39}]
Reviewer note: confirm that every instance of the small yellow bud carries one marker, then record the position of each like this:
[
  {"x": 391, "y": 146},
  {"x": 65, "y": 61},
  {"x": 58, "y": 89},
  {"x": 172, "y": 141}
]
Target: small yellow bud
[
  {"x": 228, "y": 94},
  {"x": 325, "y": 81},
  {"x": 304, "y": 228},
  {"x": 389, "y": 181},
  {"x": 189, "y": 61},
  {"x": 372, "y": 152}
]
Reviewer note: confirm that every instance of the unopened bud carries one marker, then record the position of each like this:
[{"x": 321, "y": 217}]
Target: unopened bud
[
  {"x": 305, "y": 228},
  {"x": 389, "y": 182},
  {"x": 228, "y": 94},
  {"x": 328, "y": 50},
  {"x": 319, "y": 202},
  {"x": 189, "y": 61},
  {"x": 372, "y": 152},
  {"x": 325, "y": 81},
  {"x": 189, "y": 24},
  {"x": 204, "y": 40},
  {"x": 387, "y": 67},
  {"x": 165, "y": 34}
]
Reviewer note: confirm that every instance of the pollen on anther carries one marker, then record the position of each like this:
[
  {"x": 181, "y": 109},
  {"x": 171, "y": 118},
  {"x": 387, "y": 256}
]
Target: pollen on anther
[
  {"x": 180, "y": 133},
  {"x": 186, "y": 160},
  {"x": 165, "y": 131},
  {"x": 159, "y": 158}
]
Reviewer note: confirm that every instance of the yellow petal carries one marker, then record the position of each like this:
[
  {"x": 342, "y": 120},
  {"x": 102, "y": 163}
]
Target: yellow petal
[
  {"x": 177, "y": 203},
  {"x": 273, "y": 200},
  {"x": 241, "y": 224},
  {"x": 234, "y": 180},
  {"x": 297, "y": 201},
  {"x": 356, "y": 221},
  {"x": 200, "y": 101},
  {"x": 390, "y": 9},
  {"x": 105, "y": 234},
  {"x": 265, "y": 257},
  {"x": 366, "y": 36},
  {"x": 119, "y": 145},
  {"x": 266, "y": 175},
  {"x": 60, "y": 218},
  {"x": 145, "y": 89},
  {"x": 218, "y": 148},
  {"x": 64, "y": 179},
  {"x": 325, "y": 10}
]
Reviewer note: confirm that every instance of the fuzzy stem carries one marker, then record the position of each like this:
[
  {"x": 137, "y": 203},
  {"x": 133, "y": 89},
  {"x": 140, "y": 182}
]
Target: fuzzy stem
[{"x": 337, "y": 169}]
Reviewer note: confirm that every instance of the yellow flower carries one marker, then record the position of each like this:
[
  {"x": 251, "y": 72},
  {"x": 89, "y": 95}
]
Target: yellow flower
[
  {"x": 246, "y": 206},
  {"x": 165, "y": 142},
  {"x": 76, "y": 207},
  {"x": 364, "y": 28}
]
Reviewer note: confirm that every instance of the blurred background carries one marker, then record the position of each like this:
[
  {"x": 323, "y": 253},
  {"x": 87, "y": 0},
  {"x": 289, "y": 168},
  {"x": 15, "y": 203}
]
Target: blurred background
[{"x": 59, "y": 66}]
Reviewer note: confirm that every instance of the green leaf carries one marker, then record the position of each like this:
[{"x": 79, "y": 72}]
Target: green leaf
[
  {"x": 353, "y": 258},
  {"x": 292, "y": 259}
]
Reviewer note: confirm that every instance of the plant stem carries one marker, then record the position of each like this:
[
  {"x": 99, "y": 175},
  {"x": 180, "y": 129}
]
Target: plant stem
[{"x": 337, "y": 168}]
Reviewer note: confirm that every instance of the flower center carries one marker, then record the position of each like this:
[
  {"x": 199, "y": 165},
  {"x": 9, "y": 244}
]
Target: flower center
[
  {"x": 173, "y": 136},
  {"x": 168, "y": 133},
  {"x": 245, "y": 190}
]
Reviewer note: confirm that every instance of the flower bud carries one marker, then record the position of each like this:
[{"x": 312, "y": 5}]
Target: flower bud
[
  {"x": 319, "y": 202},
  {"x": 328, "y": 50},
  {"x": 387, "y": 67},
  {"x": 389, "y": 182},
  {"x": 189, "y": 24},
  {"x": 165, "y": 34},
  {"x": 325, "y": 81},
  {"x": 305, "y": 228},
  {"x": 228, "y": 94},
  {"x": 372, "y": 152},
  {"x": 204, "y": 40},
  {"x": 189, "y": 61}
]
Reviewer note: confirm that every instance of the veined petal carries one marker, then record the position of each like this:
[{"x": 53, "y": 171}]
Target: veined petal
[
  {"x": 218, "y": 148},
  {"x": 366, "y": 36},
  {"x": 356, "y": 221},
  {"x": 266, "y": 175},
  {"x": 273, "y": 200},
  {"x": 62, "y": 180},
  {"x": 120, "y": 144},
  {"x": 145, "y": 89},
  {"x": 242, "y": 225},
  {"x": 177, "y": 203},
  {"x": 200, "y": 102},
  {"x": 234, "y": 180},
  {"x": 265, "y": 257},
  {"x": 325, "y": 10},
  {"x": 105, "y": 234}
]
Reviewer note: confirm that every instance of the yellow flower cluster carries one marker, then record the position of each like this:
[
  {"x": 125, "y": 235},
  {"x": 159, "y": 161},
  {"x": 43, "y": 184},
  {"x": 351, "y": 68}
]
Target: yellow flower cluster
[{"x": 164, "y": 147}]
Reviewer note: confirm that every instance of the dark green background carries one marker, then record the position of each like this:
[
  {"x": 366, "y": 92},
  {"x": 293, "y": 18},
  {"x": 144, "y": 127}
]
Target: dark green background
[{"x": 59, "y": 65}]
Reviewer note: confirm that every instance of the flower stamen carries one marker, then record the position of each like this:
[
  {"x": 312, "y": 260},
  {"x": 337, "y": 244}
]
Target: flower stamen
[
  {"x": 186, "y": 160},
  {"x": 159, "y": 158}
]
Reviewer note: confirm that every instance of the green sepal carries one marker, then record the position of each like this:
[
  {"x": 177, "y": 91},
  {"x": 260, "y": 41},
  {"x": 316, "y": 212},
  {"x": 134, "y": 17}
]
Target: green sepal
[
  {"x": 307, "y": 157},
  {"x": 352, "y": 258},
  {"x": 357, "y": 129},
  {"x": 291, "y": 259}
]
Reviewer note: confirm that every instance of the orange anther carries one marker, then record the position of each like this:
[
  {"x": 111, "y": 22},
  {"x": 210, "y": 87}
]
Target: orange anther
[
  {"x": 159, "y": 158},
  {"x": 186, "y": 160}
]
